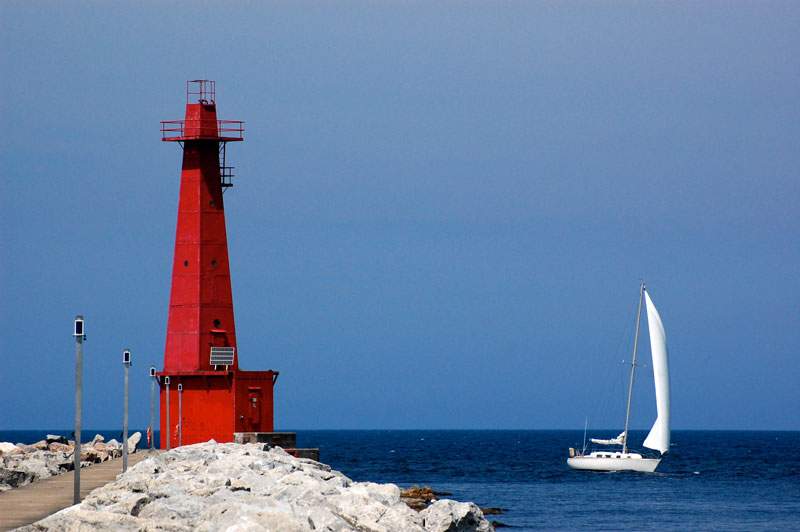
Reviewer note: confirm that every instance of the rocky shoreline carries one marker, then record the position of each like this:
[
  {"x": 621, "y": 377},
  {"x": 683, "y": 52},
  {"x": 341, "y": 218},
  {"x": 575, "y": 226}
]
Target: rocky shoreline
[
  {"x": 420, "y": 497},
  {"x": 211, "y": 486},
  {"x": 21, "y": 464}
]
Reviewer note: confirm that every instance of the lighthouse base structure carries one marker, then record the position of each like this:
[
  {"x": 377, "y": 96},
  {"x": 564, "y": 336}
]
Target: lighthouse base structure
[
  {"x": 216, "y": 404},
  {"x": 286, "y": 440}
]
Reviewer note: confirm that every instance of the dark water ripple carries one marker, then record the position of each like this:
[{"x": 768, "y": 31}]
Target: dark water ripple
[{"x": 710, "y": 480}]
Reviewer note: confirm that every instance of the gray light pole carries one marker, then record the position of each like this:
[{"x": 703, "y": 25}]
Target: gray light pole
[
  {"x": 79, "y": 335},
  {"x": 126, "y": 362},
  {"x": 166, "y": 382},
  {"x": 152, "y": 407},
  {"x": 180, "y": 415}
]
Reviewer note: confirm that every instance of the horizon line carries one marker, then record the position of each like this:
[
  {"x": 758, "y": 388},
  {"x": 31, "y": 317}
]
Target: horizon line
[{"x": 111, "y": 429}]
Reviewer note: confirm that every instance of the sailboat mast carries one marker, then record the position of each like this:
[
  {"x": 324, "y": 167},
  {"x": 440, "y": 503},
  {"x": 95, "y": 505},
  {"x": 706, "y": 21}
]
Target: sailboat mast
[
  {"x": 633, "y": 368},
  {"x": 585, "y": 427}
]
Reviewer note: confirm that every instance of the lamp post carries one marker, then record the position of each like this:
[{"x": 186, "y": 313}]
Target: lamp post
[
  {"x": 180, "y": 415},
  {"x": 166, "y": 383},
  {"x": 153, "y": 379},
  {"x": 79, "y": 335},
  {"x": 126, "y": 363}
]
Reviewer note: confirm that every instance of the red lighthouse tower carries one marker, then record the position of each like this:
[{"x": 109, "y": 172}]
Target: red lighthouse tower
[{"x": 208, "y": 396}]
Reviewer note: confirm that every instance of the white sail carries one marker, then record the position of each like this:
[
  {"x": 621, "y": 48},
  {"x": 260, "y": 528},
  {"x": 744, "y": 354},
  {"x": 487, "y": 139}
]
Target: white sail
[
  {"x": 658, "y": 438},
  {"x": 619, "y": 440}
]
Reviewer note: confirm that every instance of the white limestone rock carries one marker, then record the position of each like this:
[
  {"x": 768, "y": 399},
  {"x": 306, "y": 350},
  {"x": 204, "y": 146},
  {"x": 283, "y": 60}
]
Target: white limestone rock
[
  {"x": 10, "y": 478},
  {"x": 29, "y": 464},
  {"x": 451, "y": 516},
  {"x": 133, "y": 441},
  {"x": 22, "y": 464},
  {"x": 59, "y": 447},
  {"x": 7, "y": 447},
  {"x": 242, "y": 487}
]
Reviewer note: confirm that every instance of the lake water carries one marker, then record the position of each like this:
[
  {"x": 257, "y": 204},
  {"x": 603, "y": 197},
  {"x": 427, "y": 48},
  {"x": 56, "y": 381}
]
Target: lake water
[{"x": 709, "y": 480}]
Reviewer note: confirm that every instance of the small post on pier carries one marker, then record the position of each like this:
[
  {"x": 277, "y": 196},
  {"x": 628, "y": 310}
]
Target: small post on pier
[
  {"x": 126, "y": 362},
  {"x": 78, "y": 334},
  {"x": 180, "y": 415},
  {"x": 166, "y": 383},
  {"x": 152, "y": 407}
]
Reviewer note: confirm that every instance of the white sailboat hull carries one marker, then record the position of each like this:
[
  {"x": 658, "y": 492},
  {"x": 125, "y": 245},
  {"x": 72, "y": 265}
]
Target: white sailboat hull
[{"x": 614, "y": 462}]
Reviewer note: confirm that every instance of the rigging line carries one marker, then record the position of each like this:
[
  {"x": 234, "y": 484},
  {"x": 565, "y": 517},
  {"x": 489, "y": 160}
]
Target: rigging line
[
  {"x": 600, "y": 409},
  {"x": 613, "y": 379},
  {"x": 623, "y": 376}
]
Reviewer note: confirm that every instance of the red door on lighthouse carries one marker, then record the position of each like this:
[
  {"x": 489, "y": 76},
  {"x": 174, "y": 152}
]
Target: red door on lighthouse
[{"x": 254, "y": 397}]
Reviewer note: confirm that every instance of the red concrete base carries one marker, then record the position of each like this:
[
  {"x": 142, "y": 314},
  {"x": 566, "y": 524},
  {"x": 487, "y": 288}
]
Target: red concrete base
[{"x": 216, "y": 404}]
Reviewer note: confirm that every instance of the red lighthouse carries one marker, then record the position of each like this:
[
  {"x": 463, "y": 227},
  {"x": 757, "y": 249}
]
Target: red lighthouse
[{"x": 216, "y": 399}]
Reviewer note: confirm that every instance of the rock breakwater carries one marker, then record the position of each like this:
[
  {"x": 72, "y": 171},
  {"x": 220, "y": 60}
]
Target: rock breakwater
[
  {"x": 211, "y": 486},
  {"x": 22, "y": 464}
]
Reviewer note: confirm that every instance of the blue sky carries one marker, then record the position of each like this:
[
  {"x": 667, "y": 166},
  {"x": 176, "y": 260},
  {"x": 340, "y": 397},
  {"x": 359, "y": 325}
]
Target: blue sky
[{"x": 441, "y": 215}]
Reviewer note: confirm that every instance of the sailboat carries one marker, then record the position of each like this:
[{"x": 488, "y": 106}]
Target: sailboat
[{"x": 659, "y": 437}]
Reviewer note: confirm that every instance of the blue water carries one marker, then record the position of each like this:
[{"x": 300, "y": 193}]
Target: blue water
[{"x": 710, "y": 480}]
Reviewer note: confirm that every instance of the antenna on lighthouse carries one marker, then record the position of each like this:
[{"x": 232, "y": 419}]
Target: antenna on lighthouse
[{"x": 201, "y": 91}]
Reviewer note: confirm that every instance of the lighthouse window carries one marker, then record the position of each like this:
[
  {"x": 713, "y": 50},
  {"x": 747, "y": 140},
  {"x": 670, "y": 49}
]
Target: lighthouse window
[
  {"x": 185, "y": 263},
  {"x": 213, "y": 263},
  {"x": 217, "y": 323}
]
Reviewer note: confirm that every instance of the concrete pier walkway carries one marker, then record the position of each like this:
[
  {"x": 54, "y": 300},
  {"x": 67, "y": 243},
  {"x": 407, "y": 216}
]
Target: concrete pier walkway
[{"x": 28, "y": 504}]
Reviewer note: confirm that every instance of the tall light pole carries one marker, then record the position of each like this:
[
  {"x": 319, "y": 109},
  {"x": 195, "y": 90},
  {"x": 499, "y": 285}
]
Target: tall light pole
[
  {"x": 80, "y": 336},
  {"x": 166, "y": 383},
  {"x": 180, "y": 415},
  {"x": 152, "y": 407},
  {"x": 126, "y": 363}
]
